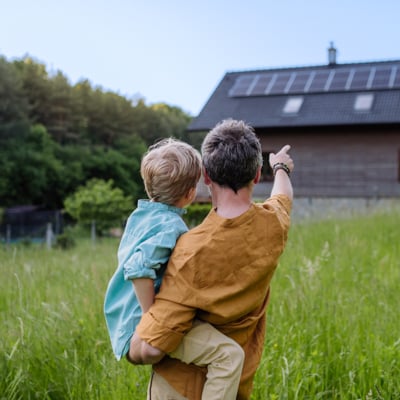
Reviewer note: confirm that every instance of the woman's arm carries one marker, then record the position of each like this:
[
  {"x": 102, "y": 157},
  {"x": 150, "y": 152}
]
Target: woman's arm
[
  {"x": 282, "y": 165},
  {"x": 140, "y": 352}
]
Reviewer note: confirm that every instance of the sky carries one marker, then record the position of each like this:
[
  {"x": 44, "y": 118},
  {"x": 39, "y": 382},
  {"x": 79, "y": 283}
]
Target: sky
[{"x": 177, "y": 51}]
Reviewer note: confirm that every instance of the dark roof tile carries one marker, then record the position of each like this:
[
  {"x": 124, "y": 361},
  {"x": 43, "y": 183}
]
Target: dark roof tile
[{"x": 333, "y": 105}]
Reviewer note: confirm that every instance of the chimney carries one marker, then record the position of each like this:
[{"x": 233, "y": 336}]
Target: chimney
[{"x": 331, "y": 54}]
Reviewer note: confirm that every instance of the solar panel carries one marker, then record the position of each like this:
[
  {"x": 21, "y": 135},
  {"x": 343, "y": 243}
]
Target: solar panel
[
  {"x": 290, "y": 81},
  {"x": 299, "y": 82},
  {"x": 339, "y": 80},
  {"x": 336, "y": 79},
  {"x": 280, "y": 84},
  {"x": 360, "y": 79},
  {"x": 396, "y": 80},
  {"x": 241, "y": 85},
  {"x": 381, "y": 78},
  {"x": 319, "y": 81},
  {"x": 261, "y": 85}
]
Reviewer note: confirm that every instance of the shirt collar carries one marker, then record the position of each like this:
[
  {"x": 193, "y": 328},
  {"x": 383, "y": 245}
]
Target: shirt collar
[{"x": 155, "y": 205}]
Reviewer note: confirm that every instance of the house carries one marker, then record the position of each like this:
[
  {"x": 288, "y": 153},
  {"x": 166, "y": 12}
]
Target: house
[{"x": 342, "y": 121}]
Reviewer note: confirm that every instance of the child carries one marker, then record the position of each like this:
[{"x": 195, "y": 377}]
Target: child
[{"x": 170, "y": 170}]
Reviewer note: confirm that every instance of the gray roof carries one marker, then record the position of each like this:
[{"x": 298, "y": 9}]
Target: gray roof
[{"x": 319, "y": 95}]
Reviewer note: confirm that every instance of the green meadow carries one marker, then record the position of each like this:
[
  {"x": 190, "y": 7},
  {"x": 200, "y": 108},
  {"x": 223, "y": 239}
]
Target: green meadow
[{"x": 333, "y": 328}]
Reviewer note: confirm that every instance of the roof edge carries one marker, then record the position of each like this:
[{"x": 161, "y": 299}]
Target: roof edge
[{"x": 319, "y": 66}]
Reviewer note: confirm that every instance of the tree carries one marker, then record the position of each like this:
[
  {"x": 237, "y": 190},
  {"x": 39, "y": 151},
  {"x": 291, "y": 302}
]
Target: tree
[
  {"x": 59, "y": 118},
  {"x": 36, "y": 86},
  {"x": 111, "y": 164},
  {"x": 173, "y": 121},
  {"x": 159, "y": 121},
  {"x": 13, "y": 105},
  {"x": 99, "y": 201},
  {"x": 31, "y": 174},
  {"x": 55, "y": 136}
]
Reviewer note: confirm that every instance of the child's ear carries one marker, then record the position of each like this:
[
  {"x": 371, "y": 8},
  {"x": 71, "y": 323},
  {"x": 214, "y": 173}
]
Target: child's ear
[{"x": 191, "y": 193}]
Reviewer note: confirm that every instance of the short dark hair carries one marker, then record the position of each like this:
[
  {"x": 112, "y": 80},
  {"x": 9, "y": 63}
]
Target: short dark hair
[{"x": 232, "y": 154}]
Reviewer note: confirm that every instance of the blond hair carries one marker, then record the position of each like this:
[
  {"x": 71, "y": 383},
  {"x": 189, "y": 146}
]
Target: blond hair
[{"x": 169, "y": 169}]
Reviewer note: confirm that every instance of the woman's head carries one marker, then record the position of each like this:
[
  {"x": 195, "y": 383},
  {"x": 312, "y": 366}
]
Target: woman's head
[{"x": 232, "y": 154}]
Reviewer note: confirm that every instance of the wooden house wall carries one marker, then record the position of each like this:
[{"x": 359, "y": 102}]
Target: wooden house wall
[{"x": 339, "y": 161}]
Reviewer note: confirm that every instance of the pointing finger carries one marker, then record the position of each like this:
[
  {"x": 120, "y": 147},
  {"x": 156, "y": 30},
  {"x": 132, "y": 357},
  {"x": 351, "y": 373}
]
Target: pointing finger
[{"x": 284, "y": 149}]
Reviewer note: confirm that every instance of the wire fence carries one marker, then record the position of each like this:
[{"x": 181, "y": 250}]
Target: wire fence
[{"x": 30, "y": 223}]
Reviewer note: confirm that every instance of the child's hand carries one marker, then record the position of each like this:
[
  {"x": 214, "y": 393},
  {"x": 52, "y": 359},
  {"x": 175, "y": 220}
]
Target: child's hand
[{"x": 282, "y": 157}]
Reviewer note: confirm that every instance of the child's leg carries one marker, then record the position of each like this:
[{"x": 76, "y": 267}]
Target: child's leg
[
  {"x": 205, "y": 346},
  {"x": 160, "y": 389}
]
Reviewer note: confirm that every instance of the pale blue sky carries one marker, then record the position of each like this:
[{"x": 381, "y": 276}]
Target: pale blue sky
[{"x": 177, "y": 51}]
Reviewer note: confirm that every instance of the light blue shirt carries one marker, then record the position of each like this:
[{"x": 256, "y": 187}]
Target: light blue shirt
[{"x": 149, "y": 237}]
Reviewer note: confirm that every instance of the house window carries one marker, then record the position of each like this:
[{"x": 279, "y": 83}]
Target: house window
[
  {"x": 364, "y": 102},
  {"x": 266, "y": 171},
  {"x": 293, "y": 105}
]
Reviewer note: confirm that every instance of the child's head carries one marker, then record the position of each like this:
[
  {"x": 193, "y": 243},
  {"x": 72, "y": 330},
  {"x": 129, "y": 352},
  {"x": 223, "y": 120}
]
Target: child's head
[
  {"x": 232, "y": 154},
  {"x": 170, "y": 170}
]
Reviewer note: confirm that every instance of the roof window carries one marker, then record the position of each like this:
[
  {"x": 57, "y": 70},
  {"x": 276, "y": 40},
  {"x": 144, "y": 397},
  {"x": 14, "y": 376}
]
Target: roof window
[
  {"x": 364, "y": 102},
  {"x": 293, "y": 105}
]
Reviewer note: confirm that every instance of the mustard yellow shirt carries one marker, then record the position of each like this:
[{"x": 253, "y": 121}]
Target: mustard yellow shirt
[{"x": 219, "y": 272}]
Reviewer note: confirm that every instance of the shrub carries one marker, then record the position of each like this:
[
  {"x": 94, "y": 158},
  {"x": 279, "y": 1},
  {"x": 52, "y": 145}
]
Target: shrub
[
  {"x": 196, "y": 213},
  {"x": 65, "y": 241},
  {"x": 98, "y": 201}
]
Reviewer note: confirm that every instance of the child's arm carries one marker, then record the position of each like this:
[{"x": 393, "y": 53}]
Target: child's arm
[
  {"x": 139, "y": 351},
  {"x": 144, "y": 289}
]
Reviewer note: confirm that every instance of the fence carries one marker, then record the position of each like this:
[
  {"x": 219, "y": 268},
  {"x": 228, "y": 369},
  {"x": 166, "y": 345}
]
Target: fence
[{"x": 31, "y": 223}]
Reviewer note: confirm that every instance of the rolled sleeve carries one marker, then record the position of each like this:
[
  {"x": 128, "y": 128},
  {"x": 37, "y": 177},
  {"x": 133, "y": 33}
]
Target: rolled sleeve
[
  {"x": 136, "y": 267},
  {"x": 157, "y": 335},
  {"x": 167, "y": 321},
  {"x": 149, "y": 255}
]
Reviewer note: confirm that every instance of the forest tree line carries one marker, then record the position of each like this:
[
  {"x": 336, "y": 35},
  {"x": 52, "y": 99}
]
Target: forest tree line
[{"x": 55, "y": 136}]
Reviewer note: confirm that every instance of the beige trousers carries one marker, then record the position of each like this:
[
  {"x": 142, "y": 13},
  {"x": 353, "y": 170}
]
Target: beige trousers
[
  {"x": 204, "y": 345},
  {"x": 160, "y": 389}
]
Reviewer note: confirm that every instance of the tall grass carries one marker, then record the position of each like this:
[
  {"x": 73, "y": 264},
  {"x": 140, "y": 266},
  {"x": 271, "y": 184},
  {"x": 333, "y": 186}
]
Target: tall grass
[
  {"x": 53, "y": 342},
  {"x": 333, "y": 330}
]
